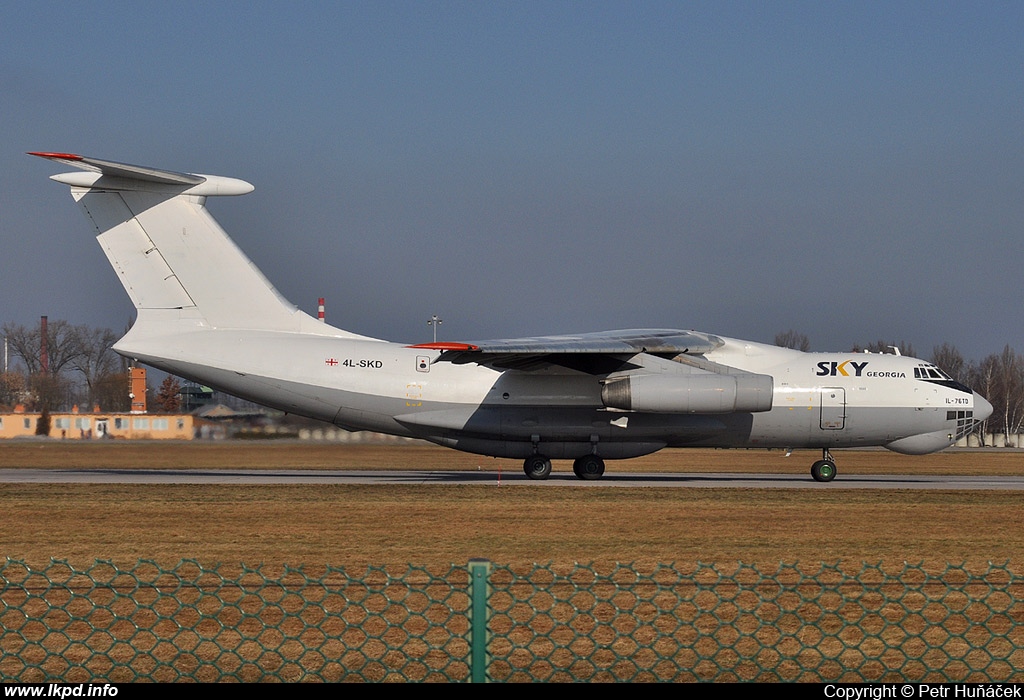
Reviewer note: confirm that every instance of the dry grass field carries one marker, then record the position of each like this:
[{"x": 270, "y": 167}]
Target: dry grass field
[
  {"x": 206, "y": 630},
  {"x": 356, "y": 526}
]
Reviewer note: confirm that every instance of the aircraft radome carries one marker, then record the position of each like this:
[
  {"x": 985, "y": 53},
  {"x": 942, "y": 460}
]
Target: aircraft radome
[{"x": 206, "y": 313}]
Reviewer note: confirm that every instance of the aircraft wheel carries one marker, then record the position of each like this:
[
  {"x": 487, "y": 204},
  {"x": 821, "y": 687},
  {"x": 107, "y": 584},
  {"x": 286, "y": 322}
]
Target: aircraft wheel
[
  {"x": 823, "y": 470},
  {"x": 589, "y": 467},
  {"x": 537, "y": 467}
]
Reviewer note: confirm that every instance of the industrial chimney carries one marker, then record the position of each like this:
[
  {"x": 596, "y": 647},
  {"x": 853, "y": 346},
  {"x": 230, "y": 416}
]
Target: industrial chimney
[{"x": 44, "y": 354}]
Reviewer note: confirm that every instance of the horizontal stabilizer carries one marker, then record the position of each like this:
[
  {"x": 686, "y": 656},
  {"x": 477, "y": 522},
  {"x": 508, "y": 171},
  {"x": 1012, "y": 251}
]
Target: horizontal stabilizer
[
  {"x": 110, "y": 175},
  {"x": 131, "y": 172}
]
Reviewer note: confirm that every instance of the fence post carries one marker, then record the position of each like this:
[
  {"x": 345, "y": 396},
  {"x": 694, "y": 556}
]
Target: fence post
[{"x": 479, "y": 592}]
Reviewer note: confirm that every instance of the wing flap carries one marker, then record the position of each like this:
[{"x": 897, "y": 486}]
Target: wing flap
[
  {"x": 556, "y": 349},
  {"x": 649, "y": 340}
]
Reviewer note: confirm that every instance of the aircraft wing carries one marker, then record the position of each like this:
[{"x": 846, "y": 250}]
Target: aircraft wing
[
  {"x": 525, "y": 353},
  {"x": 650, "y": 340}
]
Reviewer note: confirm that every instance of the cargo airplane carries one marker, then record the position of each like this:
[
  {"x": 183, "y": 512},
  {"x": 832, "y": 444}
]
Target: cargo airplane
[{"x": 205, "y": 312}]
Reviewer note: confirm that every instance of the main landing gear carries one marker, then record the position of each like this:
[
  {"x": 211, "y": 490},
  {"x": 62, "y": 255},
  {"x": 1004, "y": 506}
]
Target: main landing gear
[
  {"x": 589, "y": 467},
  {"x": 825, "y": 468},
  {"x": 537, "y": 467}
]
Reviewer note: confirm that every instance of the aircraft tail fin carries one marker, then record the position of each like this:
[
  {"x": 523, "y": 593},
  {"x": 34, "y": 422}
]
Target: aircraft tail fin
[{"x": 173, "y": 258}]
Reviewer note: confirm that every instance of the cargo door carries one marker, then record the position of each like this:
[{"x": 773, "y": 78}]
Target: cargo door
[{"x": 833, "y": 408}]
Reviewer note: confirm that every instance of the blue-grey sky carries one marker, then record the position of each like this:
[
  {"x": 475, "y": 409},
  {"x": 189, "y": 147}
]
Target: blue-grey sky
[{"x": 852, "y": 171}]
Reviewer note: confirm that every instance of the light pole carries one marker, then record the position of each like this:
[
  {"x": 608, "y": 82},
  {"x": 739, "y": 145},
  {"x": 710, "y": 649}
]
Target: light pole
[{"x": 435, "y": 321}]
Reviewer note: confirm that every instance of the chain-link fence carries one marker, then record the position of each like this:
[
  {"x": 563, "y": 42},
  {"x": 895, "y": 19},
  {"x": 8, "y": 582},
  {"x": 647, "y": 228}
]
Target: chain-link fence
[{"x": 502, "y": 623}]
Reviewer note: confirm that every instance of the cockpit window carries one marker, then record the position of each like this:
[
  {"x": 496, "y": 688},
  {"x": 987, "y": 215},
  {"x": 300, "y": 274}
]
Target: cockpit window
[{"x": 931, "y": 373}]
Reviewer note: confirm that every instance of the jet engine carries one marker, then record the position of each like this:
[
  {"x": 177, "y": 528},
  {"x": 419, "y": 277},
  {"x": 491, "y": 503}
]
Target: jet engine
[{"x": 689, "y": 393}]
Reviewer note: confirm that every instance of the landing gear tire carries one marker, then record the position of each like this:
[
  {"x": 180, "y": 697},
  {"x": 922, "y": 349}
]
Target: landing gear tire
[
  {"x": 823, "y": 470},
  {"x": 537, "y": 467},
  {"x": 589, "y": 467}
]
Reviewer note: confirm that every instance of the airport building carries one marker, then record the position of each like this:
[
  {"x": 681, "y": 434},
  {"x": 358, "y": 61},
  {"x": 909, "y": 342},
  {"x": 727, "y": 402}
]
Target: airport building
[
  {"x": 99, "y": 425},
  {"x": 136, "y": 424}
]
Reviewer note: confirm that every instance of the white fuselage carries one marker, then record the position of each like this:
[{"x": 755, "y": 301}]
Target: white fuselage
[{"x": 818, "y": 399}]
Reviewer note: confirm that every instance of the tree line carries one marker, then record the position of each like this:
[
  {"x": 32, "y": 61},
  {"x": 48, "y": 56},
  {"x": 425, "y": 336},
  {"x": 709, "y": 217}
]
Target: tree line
[
  {"x": 80, "y": 369},
  {"x": 998, "y": 377}
]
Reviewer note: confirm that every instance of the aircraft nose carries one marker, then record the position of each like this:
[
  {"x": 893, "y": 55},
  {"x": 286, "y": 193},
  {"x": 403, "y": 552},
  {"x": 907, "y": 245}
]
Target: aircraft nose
[{"x": 982, "y": 408}]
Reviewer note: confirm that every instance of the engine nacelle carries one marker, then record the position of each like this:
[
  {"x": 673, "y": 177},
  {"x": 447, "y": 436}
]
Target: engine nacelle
[{"x": 690, "y": 393}]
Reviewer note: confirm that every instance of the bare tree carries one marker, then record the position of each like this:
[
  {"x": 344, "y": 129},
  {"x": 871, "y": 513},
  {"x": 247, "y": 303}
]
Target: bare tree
[
  {"x": 1003, "y": 375},
  {"x": 110, "y": 392},
  {"x": 982, "y": 378},
  {"x": 95, "y": 360},
  {"x": 70, "y": 350},
  {"x": 793, "y": 340},
  {"x": 63, "y": 344},
  {"x": 949, "y": 359},
  {"x": 47, "y": 392}
]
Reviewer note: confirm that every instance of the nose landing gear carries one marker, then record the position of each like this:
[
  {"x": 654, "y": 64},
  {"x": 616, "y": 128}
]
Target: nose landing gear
[{"x": 825, "y": 468}]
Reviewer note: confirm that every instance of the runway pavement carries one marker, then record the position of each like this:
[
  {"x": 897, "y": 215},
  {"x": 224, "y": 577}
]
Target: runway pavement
[{"x": 496, "y": 478}]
